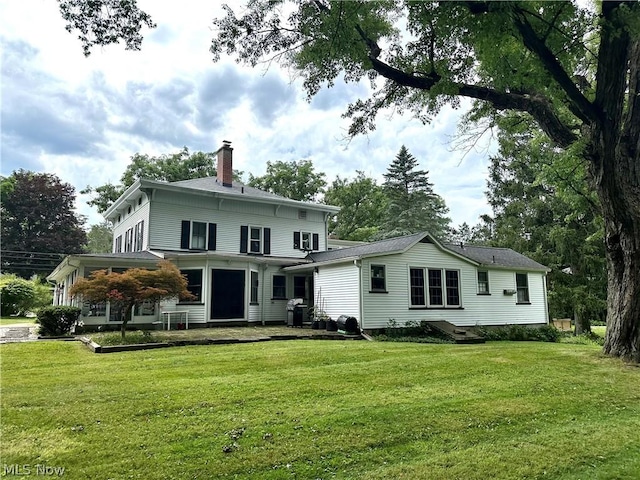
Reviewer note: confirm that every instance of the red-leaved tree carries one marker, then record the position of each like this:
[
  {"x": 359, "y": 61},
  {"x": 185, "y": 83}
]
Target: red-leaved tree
[{"x": 133, "y": 287}]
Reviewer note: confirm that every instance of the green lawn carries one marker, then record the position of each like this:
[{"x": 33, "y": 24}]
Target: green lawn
[
  {"x": 13, "y": 320},
  {"x": 322, "y": 409}
]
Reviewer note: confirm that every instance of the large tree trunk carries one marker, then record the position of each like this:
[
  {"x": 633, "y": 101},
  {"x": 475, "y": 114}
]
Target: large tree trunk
[
  {"x": 616, "y": 169},
  {"x": 613, "y": 150},
  {"x": 623, "y": 298}
]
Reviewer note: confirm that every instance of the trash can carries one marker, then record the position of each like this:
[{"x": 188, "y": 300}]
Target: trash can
[
  {"x": 295, "y": 312},
  {"x": 348, "y": 324}
]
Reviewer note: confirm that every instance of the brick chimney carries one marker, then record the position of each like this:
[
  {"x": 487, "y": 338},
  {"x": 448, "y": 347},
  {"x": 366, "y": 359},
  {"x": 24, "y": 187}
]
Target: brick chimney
[{"x": 225, "y": 164}]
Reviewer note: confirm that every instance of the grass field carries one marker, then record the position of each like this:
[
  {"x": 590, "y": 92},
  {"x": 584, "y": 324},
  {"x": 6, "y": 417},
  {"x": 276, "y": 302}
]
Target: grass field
[
  {"x": 322, "y": 409},
  {"x": 14, "y": 320}
]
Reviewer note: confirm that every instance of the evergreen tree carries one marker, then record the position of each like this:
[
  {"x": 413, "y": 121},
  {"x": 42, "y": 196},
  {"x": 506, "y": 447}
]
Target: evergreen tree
[{"x": 413, "y": 206}]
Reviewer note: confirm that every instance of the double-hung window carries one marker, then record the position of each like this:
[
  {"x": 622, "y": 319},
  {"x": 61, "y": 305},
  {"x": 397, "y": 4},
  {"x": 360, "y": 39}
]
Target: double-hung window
[
  {"x": 378, "y": 281},
  {"x": 434, "y": 288},
  {"x": 416, "y": 279},
  {"x": 306, "y": 241},
  {"x": 255, "y": 240},
  {"x": 522, "y": 288},
  {"x": 483, "y": 282},
  {"x": 453, "y": 288},
  {"x": 198, "y": 235}
]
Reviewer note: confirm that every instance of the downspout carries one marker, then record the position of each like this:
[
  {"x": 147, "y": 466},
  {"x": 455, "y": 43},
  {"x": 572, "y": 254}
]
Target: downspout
[
  {"x": 358, "y": 263},
  {"x": 326, "y": 232},
  {"x": 263, "y": 267}
]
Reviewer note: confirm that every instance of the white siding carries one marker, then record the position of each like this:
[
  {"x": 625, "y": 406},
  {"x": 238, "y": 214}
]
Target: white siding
[
  {"x": 168, "y": 210},
  {"x": 138, "y": 213},
  {"x": 494, "y": 309},
  {"x": 271, "y": 310},
  {"x": 337, "y": 287}
]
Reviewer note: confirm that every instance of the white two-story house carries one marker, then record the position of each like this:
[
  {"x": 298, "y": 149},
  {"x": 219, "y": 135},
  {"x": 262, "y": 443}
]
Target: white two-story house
[
  {"x": 230, "y": 241},
  {"x": 246, "y": 252}
]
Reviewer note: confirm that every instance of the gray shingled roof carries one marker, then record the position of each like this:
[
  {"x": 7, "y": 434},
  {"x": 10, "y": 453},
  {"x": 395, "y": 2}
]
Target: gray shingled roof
[
  {"x": 502, "y": 257},
  {"x": 489, "y": 256},
  {"x": 211, "y": 184},
  {"x": 390, "y": 245}
]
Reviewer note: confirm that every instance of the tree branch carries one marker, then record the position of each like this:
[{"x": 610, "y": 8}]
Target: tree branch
[
  {"x": 579, "y": 105},
  {"x": 536, "y": 105}
]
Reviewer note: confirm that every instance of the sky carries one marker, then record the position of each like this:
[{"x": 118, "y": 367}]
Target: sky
[{"x": 83, "y": 118}]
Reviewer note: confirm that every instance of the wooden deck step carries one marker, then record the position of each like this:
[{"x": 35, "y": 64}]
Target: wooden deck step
[{"x": 457, "y": 334}]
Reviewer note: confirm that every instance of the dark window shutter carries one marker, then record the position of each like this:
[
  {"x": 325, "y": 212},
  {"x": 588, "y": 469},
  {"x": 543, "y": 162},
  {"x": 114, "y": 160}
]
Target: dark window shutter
[
  {"x": 185, "y": 235},
  {"x": 267, "y": 241},
  {"x": 316, "y": 241},
  {"x": 296, "y": 239},
  {"x": 213, "y": 229},
  {"x": 141, "y": 235},
  {"x": 244, "y": 238}
]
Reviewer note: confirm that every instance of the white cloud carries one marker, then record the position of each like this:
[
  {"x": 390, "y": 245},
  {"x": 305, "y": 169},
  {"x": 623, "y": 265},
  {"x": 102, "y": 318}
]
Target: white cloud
[{"x": 83, "y": 118}]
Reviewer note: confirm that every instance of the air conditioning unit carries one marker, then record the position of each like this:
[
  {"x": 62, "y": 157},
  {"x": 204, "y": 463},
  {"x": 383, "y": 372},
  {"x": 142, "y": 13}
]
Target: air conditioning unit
[{"x": 509, "y": 292}]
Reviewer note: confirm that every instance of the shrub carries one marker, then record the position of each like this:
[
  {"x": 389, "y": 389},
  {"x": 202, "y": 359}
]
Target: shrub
[
  {"x": 548, "y": 333},
  {"x": 520, "y": 333},
  {"x": 58, "y": 320},
  {"x": 110, "y": 339},
  {"x": 584, "y": 339},
  {"x": 17, "y": 295},
  {"x": 43, "y": 294}
]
